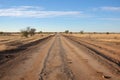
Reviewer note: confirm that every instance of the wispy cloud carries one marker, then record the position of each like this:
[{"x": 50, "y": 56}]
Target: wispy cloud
[
  {"x": 110, "y": 8},
  {"x": 113, "y": 19},
  {"x": 37, "y": 12},
  {"x": 107, "y": 8}
]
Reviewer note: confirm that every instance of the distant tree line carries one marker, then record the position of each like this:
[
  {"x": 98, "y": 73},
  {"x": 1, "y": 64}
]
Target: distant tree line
[
  {"x": 68, "y": 32},
  {"x": 82, "y": 32},
  {"x": 5, "y": 33}
]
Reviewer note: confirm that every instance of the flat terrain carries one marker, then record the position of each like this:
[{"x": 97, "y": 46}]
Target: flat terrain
[
  {"x": 63, "y": 57},
  {"x": 14, "y": 40}
]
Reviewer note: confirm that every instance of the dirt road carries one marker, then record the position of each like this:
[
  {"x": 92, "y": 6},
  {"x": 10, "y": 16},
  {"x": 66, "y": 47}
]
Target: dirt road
[{"x": 59, "y": 58}]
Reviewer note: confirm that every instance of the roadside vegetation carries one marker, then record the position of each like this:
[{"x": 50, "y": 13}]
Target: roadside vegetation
[
  {"x": 28, "y": 32},
  {"x": 66, "y": 31}
]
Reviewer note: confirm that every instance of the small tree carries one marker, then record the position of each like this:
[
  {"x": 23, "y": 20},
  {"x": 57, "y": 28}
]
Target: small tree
[
  {"x": 24, "y": 33},
  {"x": 32, "y": 31},
  {"x": 40, "y": 32},
  {"x": 107, "y": 33},
  {"x": 94, "y": 32},
  {"x": 28, "y": 31},
  {"x": 82, "y": 32},
  {"x": 1, "y": 33},
  {"x": 70, "y": 32},
  {"x": 66, "y": 31}
]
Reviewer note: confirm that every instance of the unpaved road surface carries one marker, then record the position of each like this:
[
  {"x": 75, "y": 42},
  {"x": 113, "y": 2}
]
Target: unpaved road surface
[{"x": 59, "y": 58}]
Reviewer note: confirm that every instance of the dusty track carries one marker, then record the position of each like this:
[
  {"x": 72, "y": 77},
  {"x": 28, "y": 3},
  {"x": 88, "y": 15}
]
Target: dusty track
[
  {"x": 6, "y": 55},
  {"x": 104, "y": 51},
  {"x": 55, "y": 65},
  {"x": 92, "y": 66},
  {"x": 112, "y": 59},
  {"x": 57, "y": 58}
]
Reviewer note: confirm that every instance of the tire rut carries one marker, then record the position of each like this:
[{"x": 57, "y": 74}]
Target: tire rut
[
  {"x": 55, "y": 66},
  {"x": 111, "y": 60}
]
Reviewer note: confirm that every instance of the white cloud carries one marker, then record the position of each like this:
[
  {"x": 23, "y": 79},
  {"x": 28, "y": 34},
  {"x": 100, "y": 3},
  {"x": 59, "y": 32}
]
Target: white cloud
[
  {"x": 110, "y": 8},
  {"x": 113, "y": 19},
  {"x": 37, "y": 12},
  {"x": 106, "y": 8}
]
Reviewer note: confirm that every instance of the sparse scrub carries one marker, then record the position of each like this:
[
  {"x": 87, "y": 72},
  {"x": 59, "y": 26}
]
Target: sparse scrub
[
  {"x": 28, "y": 31},
  {"x": 107, "y": 33},
  {"x": 1, "y": 33},
  {"x": 66, "y": 31},
  {"x": 82, "y": 32},
  {"x": 24, "y": 33},
  {"x": 5, "y": 34},
  {"x": 32, "y": 31},
  {"x": 70, "y": 32},
  {"x": 40, "y": 32}
]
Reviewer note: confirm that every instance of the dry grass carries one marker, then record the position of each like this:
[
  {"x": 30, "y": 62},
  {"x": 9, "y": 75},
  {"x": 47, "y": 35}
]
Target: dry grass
[
  {"x": 100, "y": 37},
  {"x": 107, "y": 44},
  {"x": 15, "y": 40}
]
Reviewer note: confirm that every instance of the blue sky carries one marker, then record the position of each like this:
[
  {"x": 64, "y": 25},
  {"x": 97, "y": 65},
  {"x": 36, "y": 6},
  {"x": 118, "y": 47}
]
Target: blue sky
[{"x": 54, "y": 15}]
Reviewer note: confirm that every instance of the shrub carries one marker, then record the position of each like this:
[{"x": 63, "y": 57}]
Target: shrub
[
  {"x": 40, "y": 32},
  {"x": 28, "y": 31},
  {"x": 66, "y": 31},
  {"x": 1, "y": 33},
  {"x": 107, "y": 33},
  {"x": 32, "y": 31},
  {"x": 70, "y": 32},
  {"x": 24, "y": 33},
  {"x": 82, "y": 32}
]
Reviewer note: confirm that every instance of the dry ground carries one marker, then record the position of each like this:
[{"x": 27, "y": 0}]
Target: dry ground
[
  {"x": 15, "y": 40},
  {"x": 63, "y": 57},
  {"x": 108, "y": 44}
]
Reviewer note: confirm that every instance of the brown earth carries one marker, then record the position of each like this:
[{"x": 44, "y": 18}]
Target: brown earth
[
  {"x": 60, "y": 58},
  {"x": 13, "y": 41}
]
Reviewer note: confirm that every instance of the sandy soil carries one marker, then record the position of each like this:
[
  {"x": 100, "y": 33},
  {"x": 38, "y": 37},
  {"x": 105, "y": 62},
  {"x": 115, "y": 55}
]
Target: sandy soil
[
  {"x": 15, "y": 40},
  {"x": 59, "y": 58},
  {"x": 105, "y": 49}
]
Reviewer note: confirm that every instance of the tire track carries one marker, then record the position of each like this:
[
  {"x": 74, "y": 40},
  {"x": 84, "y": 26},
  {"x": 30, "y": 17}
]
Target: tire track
[
  {"x": 65, "y": 63},
  {"x": 88, "y": 65},
  {"x": 108, "y": 58},
  {"x": 26, "y": 64},
  {"x": 55, "y": 66},
  {"x": 45, "y": 62}
]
